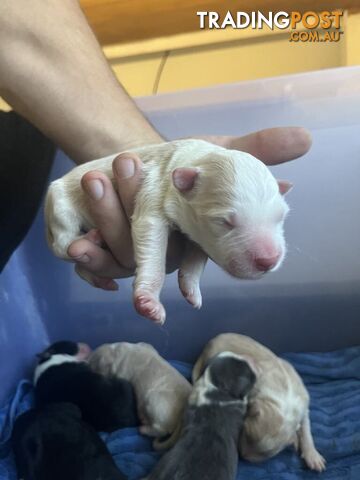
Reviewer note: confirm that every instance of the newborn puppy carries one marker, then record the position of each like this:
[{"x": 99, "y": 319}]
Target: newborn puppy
[
  {"x": 62, "y": 375},
  {"x": 278, "y": 413},
  {"x": 161, "y": 391},
  {"x": 226, "y": 202},
  {"x": 53, "y": 443},
  {"x": 208, "y": 446}
]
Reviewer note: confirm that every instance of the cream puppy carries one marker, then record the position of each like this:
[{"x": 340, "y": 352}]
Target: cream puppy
[
  {"x": 161, "y": 391},
  {"x": 278, "y": 412},
  {"x": 226, "y": 202}
]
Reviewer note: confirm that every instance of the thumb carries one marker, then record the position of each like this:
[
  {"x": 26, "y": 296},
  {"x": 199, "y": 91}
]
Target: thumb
[{"x": 127, "y": 169}]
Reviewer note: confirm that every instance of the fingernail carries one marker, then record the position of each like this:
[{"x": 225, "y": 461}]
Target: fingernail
[
  {"x": 124, "y": 168},
  {"x": 82, "y": 259},
  {"x": 95, "y": 189}
]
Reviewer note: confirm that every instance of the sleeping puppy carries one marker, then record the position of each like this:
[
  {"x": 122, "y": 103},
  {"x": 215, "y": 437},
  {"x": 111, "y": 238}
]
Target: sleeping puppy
[
  {"x": 278, "y": 413},
  {"x": 208, "y": 446},
  {"x": 227, "y": 203},
  {"x": 53, "y": 443},
  {"x": 62, "y": 375},
  {"x": 161, "y": 391}
]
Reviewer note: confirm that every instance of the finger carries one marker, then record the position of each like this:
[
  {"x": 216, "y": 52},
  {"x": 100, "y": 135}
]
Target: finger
[
  {"x": 127, "y": 169},
  {"x": 98, "y": 282},
  {"x": 109, "y": 216},
  {"x": 96, "y": 260},
  {"x": 272, "y": 145}
]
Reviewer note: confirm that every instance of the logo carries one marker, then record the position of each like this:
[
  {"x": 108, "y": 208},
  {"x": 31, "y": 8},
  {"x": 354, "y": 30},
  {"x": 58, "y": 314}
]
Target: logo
[{"x": 304, "y": 26}]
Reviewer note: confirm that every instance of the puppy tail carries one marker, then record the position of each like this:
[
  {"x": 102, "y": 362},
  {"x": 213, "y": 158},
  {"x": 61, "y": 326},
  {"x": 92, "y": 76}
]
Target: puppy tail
[{"x": 168, "y": 442}]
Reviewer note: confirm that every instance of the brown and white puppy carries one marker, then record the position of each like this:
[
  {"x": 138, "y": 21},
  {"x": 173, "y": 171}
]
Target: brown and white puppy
[
  {"x": 161, "y": 391},
  {"x": 278, "y": 413}
]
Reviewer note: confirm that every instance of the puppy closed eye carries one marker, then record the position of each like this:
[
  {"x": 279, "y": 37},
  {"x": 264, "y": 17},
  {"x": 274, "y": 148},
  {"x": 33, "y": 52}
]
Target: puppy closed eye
[
  {"x": 229, "y": 222},
  {"x": 222, "y": 222}
]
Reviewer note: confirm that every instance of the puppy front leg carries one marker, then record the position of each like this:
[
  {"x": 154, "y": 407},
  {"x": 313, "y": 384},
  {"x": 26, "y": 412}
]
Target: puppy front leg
[
  {"x": 190, "y": 272},
  {"x": 311, "y": 456},
  {"x": 150, "y": 238}
]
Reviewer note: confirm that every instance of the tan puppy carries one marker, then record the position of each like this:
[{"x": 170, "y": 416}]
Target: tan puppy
[
  {"x": 161, "y": 391},
  {"x": 278, "y": 412}
]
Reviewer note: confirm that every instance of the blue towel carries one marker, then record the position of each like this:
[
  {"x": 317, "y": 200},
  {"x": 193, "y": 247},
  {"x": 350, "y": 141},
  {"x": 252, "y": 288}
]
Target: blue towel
[{"x": 333, "y": 380}]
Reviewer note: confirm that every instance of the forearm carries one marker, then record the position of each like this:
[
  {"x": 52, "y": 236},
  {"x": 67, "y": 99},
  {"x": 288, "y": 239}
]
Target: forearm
[{"x": 53, "y": 72}]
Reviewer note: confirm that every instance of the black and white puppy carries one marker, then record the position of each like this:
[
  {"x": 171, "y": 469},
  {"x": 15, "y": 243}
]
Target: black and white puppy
[
  {"x": 62, "y": 375},
  {"x": 212, "y": 423},
  {"x": 54, "y": 443}
]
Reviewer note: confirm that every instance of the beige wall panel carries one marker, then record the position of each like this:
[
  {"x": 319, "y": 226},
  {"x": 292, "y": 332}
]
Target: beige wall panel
[
  {"x": 138, "y": 74},
  {"x": 353, "y": 39},
  {"x": 246, "y": 60},
  {"x": 119, "y": 21}
]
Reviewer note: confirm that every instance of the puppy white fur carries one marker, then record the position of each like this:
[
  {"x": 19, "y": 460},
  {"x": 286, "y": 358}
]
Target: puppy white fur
[
  {"x": 278, "y": 413},
  {"x": 226, "y": 202},
  {"x": 161, "y": 391}
]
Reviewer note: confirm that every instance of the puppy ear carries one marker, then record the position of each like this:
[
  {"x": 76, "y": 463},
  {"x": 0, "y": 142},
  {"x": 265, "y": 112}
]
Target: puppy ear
[
  {"x": 245, "y": 379},
  {"x": 254, "y": 365},
  {"x": 184, "y": 178},
  {"x": 284, "y": 186},
  {"x": 43, "y": 356}
]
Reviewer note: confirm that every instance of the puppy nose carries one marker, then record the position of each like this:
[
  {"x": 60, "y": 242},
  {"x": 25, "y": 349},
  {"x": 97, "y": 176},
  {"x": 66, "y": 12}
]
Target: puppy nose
[{"x": 264, "y": 264}]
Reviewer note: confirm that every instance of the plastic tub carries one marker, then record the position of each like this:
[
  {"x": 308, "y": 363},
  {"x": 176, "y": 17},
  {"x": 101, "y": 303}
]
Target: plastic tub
[{"x": 311, "y": 303}]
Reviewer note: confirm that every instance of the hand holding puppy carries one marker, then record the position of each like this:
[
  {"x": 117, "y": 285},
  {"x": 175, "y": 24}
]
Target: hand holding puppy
[
  {"x": 191, "y": 183},
  {"x": 112, "y": 207}
]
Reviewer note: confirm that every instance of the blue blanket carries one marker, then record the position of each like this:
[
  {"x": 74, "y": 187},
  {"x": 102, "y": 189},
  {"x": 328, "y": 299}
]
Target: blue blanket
[{"x": 333, "y": 380}]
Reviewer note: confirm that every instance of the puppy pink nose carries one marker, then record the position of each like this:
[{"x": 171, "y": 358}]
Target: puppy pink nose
[{"x": 266, "y": 263}]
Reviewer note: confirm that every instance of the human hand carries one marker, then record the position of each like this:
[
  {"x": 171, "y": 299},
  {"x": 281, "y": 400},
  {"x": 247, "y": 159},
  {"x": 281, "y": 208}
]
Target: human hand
[{"x": 107, "y": 253}]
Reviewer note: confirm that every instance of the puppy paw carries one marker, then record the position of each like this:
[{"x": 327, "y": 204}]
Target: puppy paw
[
  {"x": 151, "y": 431},
  {"x": 193, "y": 296},
  {"x": 314, "y": 460},
  {"x": 145, "y": 430},
  {"x": 148, "y": 306},
  {"x": 190, "y": 290}
]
